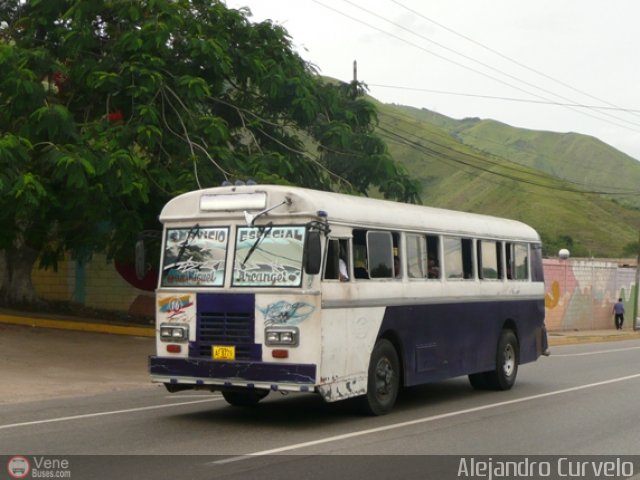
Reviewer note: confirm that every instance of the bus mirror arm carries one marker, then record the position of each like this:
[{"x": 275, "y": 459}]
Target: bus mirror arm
[{"x": 250, "y": 219}]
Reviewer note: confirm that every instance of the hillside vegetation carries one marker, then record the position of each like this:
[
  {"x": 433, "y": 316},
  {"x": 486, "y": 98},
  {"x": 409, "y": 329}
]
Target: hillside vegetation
[{"x": 561, "y": 184}]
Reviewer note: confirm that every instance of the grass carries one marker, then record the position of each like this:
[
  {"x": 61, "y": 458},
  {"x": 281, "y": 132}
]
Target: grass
[{"x": 544, "y": 179}]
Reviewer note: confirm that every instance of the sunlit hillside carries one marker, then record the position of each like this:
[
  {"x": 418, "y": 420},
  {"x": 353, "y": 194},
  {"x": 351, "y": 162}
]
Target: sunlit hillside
[{"x": 561, "y": 184}]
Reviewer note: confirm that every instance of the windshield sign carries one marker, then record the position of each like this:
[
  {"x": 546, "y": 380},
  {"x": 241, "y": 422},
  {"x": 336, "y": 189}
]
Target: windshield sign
[
  {"x": 269, "y": 256},
  {"x": 195, "y": 257}
]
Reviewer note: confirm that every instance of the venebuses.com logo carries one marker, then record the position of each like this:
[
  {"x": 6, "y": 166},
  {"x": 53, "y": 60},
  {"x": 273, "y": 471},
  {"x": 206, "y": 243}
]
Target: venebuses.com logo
[{"x": 18, "y": 467}]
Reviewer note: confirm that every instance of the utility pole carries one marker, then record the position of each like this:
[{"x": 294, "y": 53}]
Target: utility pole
[
  {"x": 637, "y": 288},
  {"x": 355, "y": 71}
]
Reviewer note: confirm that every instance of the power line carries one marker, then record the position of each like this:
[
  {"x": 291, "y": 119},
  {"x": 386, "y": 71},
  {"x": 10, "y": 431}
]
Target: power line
[
  {"x": 410, "y": 120},
  {"x": 512, "y": 60},
  {"x": 467, "y": 57},
  {"x": 585, "y": 189},
  {"x": 465, "y": 66},
  {"x": 508, "y": 99}
]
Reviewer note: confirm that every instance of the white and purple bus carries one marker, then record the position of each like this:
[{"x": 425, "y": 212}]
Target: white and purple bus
[{"x": 282, "y": 289}]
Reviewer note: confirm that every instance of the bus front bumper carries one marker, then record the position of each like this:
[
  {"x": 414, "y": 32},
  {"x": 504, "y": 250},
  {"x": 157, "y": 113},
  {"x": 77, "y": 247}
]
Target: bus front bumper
[{"x": 200, "y": 372}]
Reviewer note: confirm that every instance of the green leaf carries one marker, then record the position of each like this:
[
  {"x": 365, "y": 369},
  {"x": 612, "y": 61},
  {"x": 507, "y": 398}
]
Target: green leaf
[{"x": 28, "y": 190}]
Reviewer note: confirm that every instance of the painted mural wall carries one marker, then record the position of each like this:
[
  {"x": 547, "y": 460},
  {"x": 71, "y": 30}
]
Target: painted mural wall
[
  {"x": 579, "y": 293},
  {"x": 98, "y": 284}
]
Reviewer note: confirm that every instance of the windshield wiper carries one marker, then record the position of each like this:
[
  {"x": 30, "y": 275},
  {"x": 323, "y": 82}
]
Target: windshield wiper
[
  {"x": 193, "y": 231},
  {"x": 262, "y": 231}
]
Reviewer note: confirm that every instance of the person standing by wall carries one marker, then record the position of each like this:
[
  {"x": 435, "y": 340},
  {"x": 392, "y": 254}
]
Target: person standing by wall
[{"x": 618, "y": 311}]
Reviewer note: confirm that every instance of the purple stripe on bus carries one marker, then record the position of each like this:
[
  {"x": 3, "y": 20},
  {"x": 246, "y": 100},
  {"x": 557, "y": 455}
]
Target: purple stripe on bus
[{"x": 441, "y": 341}]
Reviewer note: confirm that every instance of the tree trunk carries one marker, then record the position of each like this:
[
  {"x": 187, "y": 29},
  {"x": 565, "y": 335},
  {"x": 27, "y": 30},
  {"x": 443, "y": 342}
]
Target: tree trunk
[
  {"x": 15, "y": 276},
  {"x": 4, "y": 274}
]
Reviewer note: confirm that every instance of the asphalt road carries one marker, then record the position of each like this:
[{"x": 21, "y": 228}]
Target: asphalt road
[{"x": 583, "y": 400}]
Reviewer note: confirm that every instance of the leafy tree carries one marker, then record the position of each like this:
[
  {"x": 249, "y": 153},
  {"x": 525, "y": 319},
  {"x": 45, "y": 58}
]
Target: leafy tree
[{"x": 108, "y": 108}]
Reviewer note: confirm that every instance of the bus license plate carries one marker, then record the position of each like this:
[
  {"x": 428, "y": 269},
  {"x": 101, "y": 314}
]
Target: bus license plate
[{"x": 224, "y": 352}]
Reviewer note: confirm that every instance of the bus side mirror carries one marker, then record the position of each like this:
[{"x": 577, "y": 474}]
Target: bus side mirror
[
  {"x": 313, "y": 253},
  {"x": 140, "y": 260}
]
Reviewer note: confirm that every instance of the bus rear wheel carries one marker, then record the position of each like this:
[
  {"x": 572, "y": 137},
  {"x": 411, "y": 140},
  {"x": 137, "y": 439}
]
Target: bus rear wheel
[
  {"x": 244, "y": 398},
  {"x": 504, "y": 375},
  {"x": 383, "y": 380}
]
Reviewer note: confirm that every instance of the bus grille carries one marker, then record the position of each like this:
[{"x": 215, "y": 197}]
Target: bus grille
[{"x": 226, "y": 328}]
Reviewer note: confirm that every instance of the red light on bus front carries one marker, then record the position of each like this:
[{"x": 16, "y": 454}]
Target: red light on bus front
[
  {"x": 280, "y": 353},
  {"x": 174, "y": 348}
]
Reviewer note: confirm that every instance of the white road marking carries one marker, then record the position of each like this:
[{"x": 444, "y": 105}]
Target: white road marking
[
  {"x": 202, "y": 395},
  {"x": 597, "y": 352},
  {"x": 418, "y": 421},
  {"x": 102, "y": 414}
]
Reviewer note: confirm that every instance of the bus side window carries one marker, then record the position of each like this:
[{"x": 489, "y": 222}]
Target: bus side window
[
  {"x": 433, "y": 251},
  {"x": 337, "y": 255},
  {"x": 467, "y": 258},
  {"x": 423, "y": 256},
  {"x": 417, "y": 263},
  {"x": 360, "y": 264},
  {"x": 452, "y": 257},
  {"x": 537, "y": 272},
  {"x": 500, "y": 260},
  {"x": 380, "y": 254},
  {"x": 517, "y": 261},
  {"x": 344, "y": 270},
  {"x": 458, "y": 253},
  {"x": 489, "y": 260},
  {"x": 397, "y": 260},
  {"x": 522, "y": 261}
]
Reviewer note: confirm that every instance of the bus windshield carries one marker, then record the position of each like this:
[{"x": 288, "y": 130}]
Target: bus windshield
[
  {"x": 268, "y": 256},
  {"x": 195, "y": 257}
]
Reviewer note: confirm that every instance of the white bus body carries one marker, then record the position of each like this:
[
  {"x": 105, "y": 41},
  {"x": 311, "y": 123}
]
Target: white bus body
[{"x": 274, "y": 288}]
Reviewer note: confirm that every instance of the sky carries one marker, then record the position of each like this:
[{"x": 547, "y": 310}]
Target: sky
[{"x": 554, "y": 65}]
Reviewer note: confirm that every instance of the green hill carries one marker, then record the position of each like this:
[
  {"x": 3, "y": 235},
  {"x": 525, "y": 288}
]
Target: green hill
[{"x": 544, "y": 179}]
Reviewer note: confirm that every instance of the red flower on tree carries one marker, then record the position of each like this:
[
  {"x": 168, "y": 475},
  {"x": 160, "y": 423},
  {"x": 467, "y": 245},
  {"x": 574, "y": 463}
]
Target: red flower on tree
[
  {"x": 115, "y": 117},
  {"x": 59, "y": 79}
]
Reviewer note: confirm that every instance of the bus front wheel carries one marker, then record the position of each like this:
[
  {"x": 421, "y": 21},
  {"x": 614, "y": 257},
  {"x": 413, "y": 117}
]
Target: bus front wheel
[
  {"x": 244, "y": 398},
  {"x": 383, "y": 380}
]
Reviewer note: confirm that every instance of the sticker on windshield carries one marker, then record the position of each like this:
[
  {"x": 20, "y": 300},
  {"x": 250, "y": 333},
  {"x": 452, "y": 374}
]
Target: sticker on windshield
[
  {"x": 195, "y": 257},
  {"x": 269, "y": 256}
]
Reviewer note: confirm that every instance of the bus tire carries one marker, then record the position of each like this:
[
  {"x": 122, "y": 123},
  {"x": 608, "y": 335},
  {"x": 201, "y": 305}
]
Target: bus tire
[
  {"x": 245, "y": 398},
  {"x": 504, "y": 375},
  {"x": 479, "y": 381},
  {"x": 383, "y": 381}
]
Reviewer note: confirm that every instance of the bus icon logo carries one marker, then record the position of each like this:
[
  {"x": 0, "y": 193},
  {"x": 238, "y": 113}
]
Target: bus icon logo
[{"x": 18, "y": 467}]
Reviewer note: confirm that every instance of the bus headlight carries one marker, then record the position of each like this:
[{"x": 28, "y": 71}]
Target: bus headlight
[
  {"x": 287, "y": 336},
  {"x": 174, "y": 333}
]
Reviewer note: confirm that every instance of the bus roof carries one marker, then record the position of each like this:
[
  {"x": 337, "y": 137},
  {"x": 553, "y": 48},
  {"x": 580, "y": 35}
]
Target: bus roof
[{"x": 232, "y": 201}]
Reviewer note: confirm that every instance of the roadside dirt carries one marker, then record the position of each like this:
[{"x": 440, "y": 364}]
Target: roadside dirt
[{"x": 39, "y": 363}]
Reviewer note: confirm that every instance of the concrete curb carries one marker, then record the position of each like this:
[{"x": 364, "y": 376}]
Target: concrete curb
[
  {"x": 78, "y": 325},
  {"x": 555, "y": 338}
]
